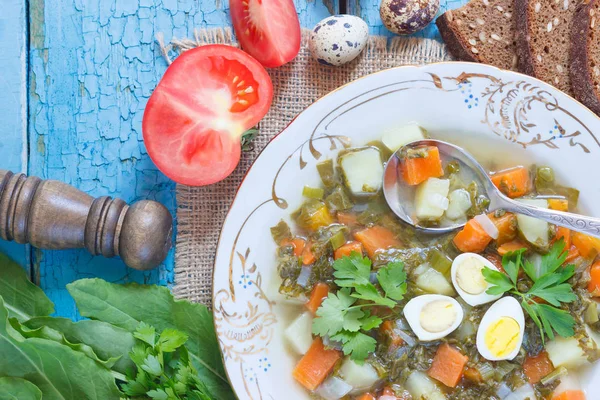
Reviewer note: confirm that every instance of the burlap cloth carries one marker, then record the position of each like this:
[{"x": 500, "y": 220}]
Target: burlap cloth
[{"x": 202, "y": 210}]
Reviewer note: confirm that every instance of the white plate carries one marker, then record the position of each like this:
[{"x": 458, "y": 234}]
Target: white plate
[{"x": 501, "y": 117}]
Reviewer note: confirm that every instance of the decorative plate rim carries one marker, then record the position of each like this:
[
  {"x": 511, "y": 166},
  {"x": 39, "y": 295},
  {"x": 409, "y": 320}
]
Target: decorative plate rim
[{"x": 277, "y": 137}]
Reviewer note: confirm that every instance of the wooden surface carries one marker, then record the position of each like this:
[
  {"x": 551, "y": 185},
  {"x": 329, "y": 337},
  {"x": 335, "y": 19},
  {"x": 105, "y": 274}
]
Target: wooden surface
[{"x": 72, "y": 100}]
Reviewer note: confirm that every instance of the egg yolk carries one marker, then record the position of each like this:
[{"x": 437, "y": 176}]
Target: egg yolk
[
  {"x": 437, "y": 316},
  {"x": 501, "y": 336},
  {"x": 469, "y": 276}
]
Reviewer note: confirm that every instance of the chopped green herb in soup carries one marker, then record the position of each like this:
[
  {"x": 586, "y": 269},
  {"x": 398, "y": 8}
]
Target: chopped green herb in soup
[{"x": 505, "y": 308}]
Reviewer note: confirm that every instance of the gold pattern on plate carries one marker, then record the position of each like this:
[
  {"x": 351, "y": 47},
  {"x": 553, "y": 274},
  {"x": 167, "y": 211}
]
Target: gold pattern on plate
[{"x": 245, "y": 326}]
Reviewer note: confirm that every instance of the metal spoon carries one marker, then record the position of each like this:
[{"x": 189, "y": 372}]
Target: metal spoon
[{"x": 393, "y": 187}]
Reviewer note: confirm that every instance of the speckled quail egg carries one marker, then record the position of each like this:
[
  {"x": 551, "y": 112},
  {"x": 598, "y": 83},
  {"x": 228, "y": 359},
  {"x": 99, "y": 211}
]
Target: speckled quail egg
[
  {"x": 404, "y": 17},
  {"x": 338, "y": 39},
  {"x": 500, "y": 332},
  {"x": 433, "y": 316},
  {"x": 468, "y": 280}
]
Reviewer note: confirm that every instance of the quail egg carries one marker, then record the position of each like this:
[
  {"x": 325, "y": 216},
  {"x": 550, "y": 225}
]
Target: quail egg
[
  {"x": 404, "y": 17},
  {"x": 338, "y": 39},
  {"x": 500, "y": 332},
  {"x": 433, "y": 316},
  {"x": 468, "y": 280}
]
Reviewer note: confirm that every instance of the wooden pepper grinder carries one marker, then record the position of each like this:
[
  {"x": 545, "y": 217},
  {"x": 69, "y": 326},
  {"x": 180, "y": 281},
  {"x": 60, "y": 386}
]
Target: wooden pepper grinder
[{"x": 53, "y": 215}]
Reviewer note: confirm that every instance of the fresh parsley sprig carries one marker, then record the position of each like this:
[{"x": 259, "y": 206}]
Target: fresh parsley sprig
[
  {"x": 163, "y": 367},
  {"x": 549, "y": 284},
  {"x": 342, "y": 319}
]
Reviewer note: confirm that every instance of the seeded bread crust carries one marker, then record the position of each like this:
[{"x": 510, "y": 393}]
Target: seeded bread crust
[
  {"x": 457, "y": 46},
  {"x": 523, "y": 38},
  {"x": 481, "y": 31},
  {"x": 543, "y": 30},
  {"x": 584, "y": 66}
]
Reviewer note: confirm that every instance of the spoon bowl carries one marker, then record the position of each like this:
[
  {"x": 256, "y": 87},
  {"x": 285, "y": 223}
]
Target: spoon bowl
[{"x": 394, "y": 188}]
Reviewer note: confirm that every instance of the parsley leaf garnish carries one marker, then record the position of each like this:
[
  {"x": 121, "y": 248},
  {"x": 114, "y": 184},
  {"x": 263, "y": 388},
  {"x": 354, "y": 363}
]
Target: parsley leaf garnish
[
  {"x": 163, "y": 367},
  {"x": 370, "y": 293},
  {"x": 369, "y": 322},
  {"x": 342, "y": 319},
  {"x": 335, "y": 314},
  {"x": 549, "y": 284},
  {"x": 356, "y": 344},
  {"x": 352, "y": 271},
  {"x": 393, "y": 280}
]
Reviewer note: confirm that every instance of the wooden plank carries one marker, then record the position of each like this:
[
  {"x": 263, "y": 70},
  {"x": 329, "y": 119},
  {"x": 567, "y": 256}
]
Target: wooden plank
[
  {"x": 369, "y": 11},
  {"x": 13, "y": 98},
  {"x": 93, "y": 65}
]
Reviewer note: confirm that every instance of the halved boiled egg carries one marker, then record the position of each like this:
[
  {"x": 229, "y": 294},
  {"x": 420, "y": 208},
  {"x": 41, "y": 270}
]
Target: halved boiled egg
[
  {"x": 433, "y": 316},
  {"x": 468, "y": 280},
  {"x": 500, "y": 332}
]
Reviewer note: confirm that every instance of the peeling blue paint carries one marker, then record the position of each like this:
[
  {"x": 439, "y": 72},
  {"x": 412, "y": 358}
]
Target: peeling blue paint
[
  {"x": 92, "y": 73},
  {"x": 93, "y": 64},
  {"x": 13, "y": 98}
]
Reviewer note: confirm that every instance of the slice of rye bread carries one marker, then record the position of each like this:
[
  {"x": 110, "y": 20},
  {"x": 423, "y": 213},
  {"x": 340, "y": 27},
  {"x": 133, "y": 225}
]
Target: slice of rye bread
[
  {"x": 585, "y": 55},
  {"x": 481, "y": 31},
  {"x": 543, "y": 33}
]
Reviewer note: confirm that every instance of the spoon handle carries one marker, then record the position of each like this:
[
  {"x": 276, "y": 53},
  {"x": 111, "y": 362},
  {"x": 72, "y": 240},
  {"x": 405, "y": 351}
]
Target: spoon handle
[{"x": 576, "y": 222}]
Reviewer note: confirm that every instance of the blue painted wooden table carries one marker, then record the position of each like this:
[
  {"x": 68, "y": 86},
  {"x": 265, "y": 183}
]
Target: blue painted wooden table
[{"x": 75, "y": 76}]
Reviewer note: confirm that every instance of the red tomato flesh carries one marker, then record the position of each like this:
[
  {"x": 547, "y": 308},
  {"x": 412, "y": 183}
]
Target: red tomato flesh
[
  {"x": 194, "y": 120},
  {"x": 269, "y": 30}
]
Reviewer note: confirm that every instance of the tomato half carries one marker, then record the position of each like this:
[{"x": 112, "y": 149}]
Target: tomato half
[
  {"x": 269, "y": 30},
  {"x": 194, "y": 120}
]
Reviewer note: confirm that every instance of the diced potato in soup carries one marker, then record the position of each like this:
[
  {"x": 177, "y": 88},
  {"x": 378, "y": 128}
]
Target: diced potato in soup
[
  {"x": 299, "y": 333},
  {"x": 362, "y": 170},
  {"x": 431, "y": 199},
  {"x": 459, "y": 202},
  {"x": 360, "y": 376},
  {"x": 420, "y": 386},
  {"x": 534, "y": 230},
  {"x": 432, "y": 281},
  {"x": 394, "y": 138},
  {"x": 566, "y": 352}
]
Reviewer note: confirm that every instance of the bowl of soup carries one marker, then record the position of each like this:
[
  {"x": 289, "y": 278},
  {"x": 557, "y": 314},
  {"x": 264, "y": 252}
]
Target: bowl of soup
[{"x": 321, "y": 292}]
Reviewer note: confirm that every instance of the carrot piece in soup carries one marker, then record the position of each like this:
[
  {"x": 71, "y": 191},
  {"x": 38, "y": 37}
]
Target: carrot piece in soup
[
  {"x": 297, "y": 243},
  {"x": 347, "y": 249},
  {"x": 537, "y": 367},
  {"x": 561, "y": 232},
  {"x": 571, "y": 255},
  {"x": 496, "y": 260},
  {"x": 565, "y": 234},
  {"x": 319, "y": 292},
  {"x": 347, "y": 219},
  {"x": 472, "y": 238},
  {"x": 594, "y": 284},
  {"x": 317, "y": 363},
  {"x": 570, "y": 395},
  {"x": 448, "y": 365},
  {"x": 314, "y": 215},
  {"x": 588, "y": 246},
  {"x": 558, "y": 204},
  {"x": 387, "y": 329},
  {"x": 308, "y": 257},
  {"x": 511, "y": 246},
  {"x": 367, "y": 396},
  {"x": 425, "y": 163},
  {"x": 506, "y": 225},
  {"x": 376, "y": 238},
  {"x": 387, "y": 391},
  {"x": 513, "y": 182},
  {"x": 473, "y": 375}
]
